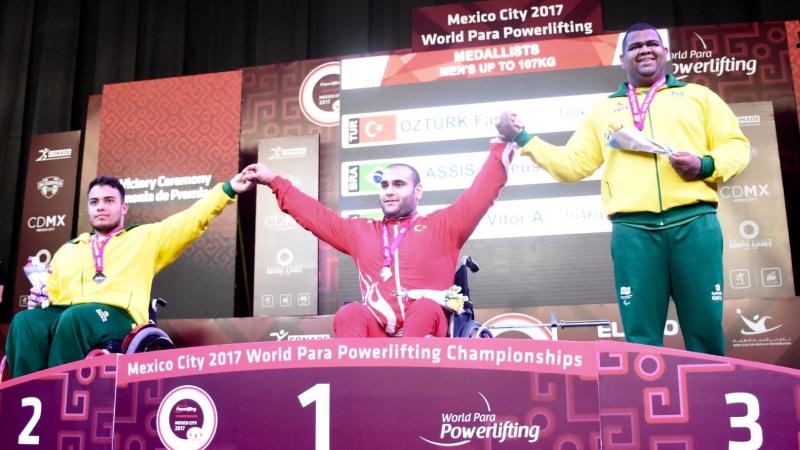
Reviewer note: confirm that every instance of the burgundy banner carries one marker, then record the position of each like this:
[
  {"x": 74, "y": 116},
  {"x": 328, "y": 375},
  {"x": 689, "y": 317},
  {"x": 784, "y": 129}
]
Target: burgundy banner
[
  {"x": 169, "y": 141},
  {"x": 47, "y": 210},
  {"x": 496, "y": 22}
]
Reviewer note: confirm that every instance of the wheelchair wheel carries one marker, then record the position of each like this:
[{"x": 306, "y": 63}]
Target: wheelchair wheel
[
  {"x": 473, "y": 329},
  {"x": 149, "y": 339}
]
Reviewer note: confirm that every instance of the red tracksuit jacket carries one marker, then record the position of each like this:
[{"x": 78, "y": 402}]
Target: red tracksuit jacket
[{"x": 426, "y": 257}]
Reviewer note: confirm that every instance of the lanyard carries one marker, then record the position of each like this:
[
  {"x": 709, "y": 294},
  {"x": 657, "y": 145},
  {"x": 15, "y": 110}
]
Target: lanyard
[
  {"x": 389, "y": 249},
  {"x": 639, "y": 112},
  {"x": 98, "y": 247}
]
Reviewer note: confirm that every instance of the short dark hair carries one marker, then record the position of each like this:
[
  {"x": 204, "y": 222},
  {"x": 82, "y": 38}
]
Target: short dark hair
[
  {"x": 414, "y": 173},
  {"x": 640, "y": 26},
  {"x": 106, "y": 180}
]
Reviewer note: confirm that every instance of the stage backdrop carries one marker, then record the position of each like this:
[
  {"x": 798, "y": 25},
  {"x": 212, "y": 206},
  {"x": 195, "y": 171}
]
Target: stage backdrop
[{"x": 170, "y": 141}]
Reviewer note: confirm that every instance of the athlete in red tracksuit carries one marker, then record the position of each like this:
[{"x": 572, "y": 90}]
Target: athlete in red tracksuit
[{"x": 425, "y": 256}]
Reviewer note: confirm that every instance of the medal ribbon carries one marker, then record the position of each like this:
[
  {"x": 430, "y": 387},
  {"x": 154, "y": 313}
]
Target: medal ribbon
[
  {"x": 390, "y": 249},
  {"x": 640, "y": 112},
  {"x": 99, "y": 247}
]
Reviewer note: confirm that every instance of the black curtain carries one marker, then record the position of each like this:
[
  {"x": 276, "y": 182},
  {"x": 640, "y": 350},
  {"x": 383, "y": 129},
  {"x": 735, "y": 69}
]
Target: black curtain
[{"x": 55, "y": 53}]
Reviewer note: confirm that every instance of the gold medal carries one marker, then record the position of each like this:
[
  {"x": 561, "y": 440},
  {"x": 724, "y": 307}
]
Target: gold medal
[{"x": 386, "y": 273}]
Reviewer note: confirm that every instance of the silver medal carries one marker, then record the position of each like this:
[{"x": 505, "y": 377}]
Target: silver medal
[{"x": 99, "y": 277}]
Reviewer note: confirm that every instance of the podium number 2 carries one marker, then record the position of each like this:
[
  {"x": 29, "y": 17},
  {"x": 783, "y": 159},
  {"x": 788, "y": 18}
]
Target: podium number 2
[
  {"x": 321, "y": 394},
  {"x": 749, "y": 421},
  {"x": 25, "y": 438}
]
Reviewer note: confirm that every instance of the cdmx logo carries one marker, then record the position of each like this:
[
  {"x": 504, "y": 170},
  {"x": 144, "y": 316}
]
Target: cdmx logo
[{"x": 461, "y": 428}]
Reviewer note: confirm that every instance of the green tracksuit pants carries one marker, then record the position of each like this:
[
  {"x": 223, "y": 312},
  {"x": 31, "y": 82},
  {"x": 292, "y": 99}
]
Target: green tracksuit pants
[
  {"x": 40, "y": 338},
  {"x": 684, "y": 262}
]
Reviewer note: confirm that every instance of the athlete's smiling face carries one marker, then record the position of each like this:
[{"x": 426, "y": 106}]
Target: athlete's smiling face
[{"x": 644, "y": 57}]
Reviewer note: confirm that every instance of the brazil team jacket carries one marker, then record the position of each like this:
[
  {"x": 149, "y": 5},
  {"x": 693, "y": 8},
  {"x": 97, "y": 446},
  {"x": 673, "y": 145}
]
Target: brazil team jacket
[
  {"x": 132, "y": 258},
  {"x": 686, "y": 117}
]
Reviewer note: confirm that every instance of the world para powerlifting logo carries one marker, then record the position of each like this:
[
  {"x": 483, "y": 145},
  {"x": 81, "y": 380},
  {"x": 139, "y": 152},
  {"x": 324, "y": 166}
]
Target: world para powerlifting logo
[
  {"x": 187, "y": 419},
  {"x": 462, "y": 427}
]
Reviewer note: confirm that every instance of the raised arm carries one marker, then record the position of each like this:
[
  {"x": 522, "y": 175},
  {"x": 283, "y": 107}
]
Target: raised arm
[
  {"x": 468, "y": 209},
  {"x": 308, "y": 212}
]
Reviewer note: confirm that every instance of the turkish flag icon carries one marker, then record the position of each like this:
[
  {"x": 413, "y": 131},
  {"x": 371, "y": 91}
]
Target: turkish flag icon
[{"x": 377, "y": 129}]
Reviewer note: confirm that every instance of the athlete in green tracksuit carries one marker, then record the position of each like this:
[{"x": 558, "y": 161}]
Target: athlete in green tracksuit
[
  {"x": 99, "y": 288},
  {"x": 666, "y": 239}
]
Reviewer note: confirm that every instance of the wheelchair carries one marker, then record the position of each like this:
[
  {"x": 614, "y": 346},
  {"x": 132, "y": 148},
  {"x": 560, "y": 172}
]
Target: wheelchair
[
  {"x": 144, "y": 338},
  {"x": 464, "y": 325}
]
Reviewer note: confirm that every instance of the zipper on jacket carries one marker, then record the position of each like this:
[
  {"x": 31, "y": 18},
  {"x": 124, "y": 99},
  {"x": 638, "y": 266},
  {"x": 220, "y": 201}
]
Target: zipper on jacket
[{"x": 658, "y": 174}]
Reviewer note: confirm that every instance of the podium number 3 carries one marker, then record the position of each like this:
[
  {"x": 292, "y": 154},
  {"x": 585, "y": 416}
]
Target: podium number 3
[
  {"x": 749, "y": 421},
  {"x": 25, "y": 438}
]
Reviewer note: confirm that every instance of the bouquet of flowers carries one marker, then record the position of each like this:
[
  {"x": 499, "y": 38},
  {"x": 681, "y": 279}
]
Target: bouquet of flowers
[
  {"x": 37, "y": 273},
  {"x": 454, "y": 299},
  {"x": 630, "y": 138},
  {"x": 451, "y": 299}
]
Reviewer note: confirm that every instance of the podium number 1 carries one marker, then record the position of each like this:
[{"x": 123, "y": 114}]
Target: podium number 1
[{"x": 321, "y": 394}]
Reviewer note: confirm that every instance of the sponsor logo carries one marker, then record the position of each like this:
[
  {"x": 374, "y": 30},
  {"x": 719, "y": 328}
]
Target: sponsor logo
[
  {"x": 749, "y": 120},
  {"x": 615, "y": 330},
  {"x": 284, "y": 267},
  {"x": 285, "y": 153},
  {"x": 716, "y": 294},
  {"x": 285, "y": 300},
  {"x": 43, "y": 256},
  {"x": 749, "y": 231},
  {"x": 771, "y": 277},
  {"x": 740, "y": 278},
  {"x": 520, "y": 325},
  {"x": 625, "y": 295},
  {"x": 45, "y": 154},
  {"x": 281, "y": 335},
  {"x": 462, "y": 427},
  {"x": 319, "y": 95},
  {"x": 46, "y": 223},
  {"x": 267, "y": 301},
  {"x": 103, "y": 315},
  {"x": 49, "y": 186},
  {"x": 746, "y": 193},
  {"x": 303, "y": 299},
  {"x": 280, "y": 222},
  {"x": 702, "y": 60},
  {"x": 756, "y": 326},
  {"x": 187, "y": 419}
]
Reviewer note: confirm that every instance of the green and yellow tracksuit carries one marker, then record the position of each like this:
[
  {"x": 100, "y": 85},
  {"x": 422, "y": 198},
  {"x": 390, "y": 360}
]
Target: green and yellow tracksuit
[
  {"x": 665, "y": 239},
  {"x": 83, "y": 313}
]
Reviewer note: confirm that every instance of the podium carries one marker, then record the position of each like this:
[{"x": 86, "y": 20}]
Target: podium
[{"x": 405, "y": 393}]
